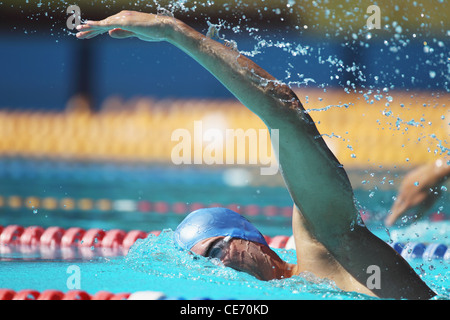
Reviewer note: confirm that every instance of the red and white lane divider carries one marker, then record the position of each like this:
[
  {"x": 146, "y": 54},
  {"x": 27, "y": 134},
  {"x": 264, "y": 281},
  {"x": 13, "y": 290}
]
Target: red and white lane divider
[
  {"x": 95, "y": 237},
  {"x": 52, "y": 237},
  {"x": 56, "y": 236},
  {"x": 29, "y": 294}
]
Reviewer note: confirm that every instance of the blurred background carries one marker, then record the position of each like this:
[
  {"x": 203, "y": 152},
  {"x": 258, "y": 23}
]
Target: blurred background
[{"x": 86, "y": 125}]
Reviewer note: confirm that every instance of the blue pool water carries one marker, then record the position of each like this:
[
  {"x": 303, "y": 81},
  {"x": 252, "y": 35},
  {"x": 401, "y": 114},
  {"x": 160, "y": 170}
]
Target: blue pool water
[{"x": 155, "y": 263}]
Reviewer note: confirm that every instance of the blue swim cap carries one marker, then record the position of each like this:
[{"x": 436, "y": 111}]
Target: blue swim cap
[{"x": 215, "y": 222}]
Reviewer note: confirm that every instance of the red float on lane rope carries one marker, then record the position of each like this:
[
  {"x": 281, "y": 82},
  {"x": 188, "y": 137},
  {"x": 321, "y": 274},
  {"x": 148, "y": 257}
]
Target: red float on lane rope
[
  {"x": 286, "y": 212},
  {"x": 234, "y": 207},
  {"x": 179, "y": 208},
  {"x": 76, "y": 295},
  {"x": 195, "y": 206},
  {"x": 436, "y": 216},
  {"x": 72, "y": 237},
  {"x": 270, "y": 211},
  {"x": 131, "y": 238},
  {"x": 29, "y": 294},
  {"x": 144, "y": 206},
  {"x": 31, "y": 236},
  {"x": 113, "y": 238},
  {"x": 51, "y": 295},
  {"x": 279, "y": 242},
  {"x": 11, "y": 234},
  {"x": 95, "y": 237},
  {"x": 92, "y": 238},
  {"x": 102, "y": 295},
  {"x": 26, "y": 294},
  {"x": 251, "y": 210},
  {"x": 7, "y": 294},
  {"x": 52, "y": 236},
  {"x": 161, "y": 207},
  {"x": 120, "y": 296}
]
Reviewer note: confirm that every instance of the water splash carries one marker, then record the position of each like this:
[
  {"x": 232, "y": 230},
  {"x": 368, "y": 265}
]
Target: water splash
[
  {"x": 160, "y": 256},
  {"x": 155, "y": 254}
]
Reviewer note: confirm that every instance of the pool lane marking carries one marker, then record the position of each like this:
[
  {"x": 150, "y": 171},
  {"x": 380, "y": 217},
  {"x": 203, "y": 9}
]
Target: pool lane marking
[
  {"x": 116, "y": 240},
  {"x": 160, "y": 207}
]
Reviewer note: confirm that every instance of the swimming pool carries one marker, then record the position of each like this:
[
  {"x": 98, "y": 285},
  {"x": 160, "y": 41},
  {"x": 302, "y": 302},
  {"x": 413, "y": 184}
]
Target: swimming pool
[
  {"x": 88, "y": 200},
  {"x": 155, "y": 263}
]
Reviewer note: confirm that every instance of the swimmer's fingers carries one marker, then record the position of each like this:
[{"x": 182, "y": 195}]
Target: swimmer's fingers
[
  {"x": 119, "y": 20},
  {"x": 147, "y": 27},
  {"x": 118, "y": 33},
  {"x": 421, "y": 201},
  {"x": 399, "y": 207},
  {"x": 94, "y": 28},
  {"x": 91, "y": 25},
  {"x": 88, "y": 30},
  {"x": 102, "y": 25},
  {"x": 84, "y": 27},
  {"x": 89, "y": 34}
]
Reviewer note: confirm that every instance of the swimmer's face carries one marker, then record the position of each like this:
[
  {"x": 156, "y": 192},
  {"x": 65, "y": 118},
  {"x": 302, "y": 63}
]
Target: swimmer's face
[{"x": 243, "y": 255}]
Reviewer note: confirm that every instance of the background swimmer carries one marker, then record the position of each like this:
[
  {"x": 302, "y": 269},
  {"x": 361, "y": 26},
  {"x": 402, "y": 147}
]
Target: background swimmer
[{"x": 420, "y": 189}]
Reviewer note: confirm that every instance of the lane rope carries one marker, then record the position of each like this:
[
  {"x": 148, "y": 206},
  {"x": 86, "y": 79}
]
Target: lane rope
[
  {"x": 30, "y": 294},
  {"x": 36, "y": 204},
  {"x": 119, "y": 241}
]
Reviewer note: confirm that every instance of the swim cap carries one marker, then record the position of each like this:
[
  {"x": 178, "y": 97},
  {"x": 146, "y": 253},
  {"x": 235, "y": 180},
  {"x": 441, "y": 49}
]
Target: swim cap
[{"x": 215, "y": 222}]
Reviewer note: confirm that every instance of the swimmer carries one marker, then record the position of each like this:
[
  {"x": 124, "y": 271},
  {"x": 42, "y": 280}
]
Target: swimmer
[
  {"x": 420, "y": 189},
  {"x": 330, "y": 238}
]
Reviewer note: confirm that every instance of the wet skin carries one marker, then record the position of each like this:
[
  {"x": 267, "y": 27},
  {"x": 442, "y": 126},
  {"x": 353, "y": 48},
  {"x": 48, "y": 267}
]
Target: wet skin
[{"x": 251, "y": 257}]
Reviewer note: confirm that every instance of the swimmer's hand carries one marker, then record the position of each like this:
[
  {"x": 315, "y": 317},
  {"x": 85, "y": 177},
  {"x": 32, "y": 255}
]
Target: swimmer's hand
[
  {"x": 419, "y": 190},
  {"x": 126, "y": 24}
]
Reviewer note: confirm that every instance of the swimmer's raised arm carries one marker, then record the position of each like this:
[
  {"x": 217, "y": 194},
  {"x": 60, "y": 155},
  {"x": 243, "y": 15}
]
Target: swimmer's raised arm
[{"x": 317, "y": 182}]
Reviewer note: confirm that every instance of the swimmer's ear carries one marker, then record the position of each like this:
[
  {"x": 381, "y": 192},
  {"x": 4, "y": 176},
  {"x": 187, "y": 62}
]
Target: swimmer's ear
[{"x": 120, "y": 33}]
